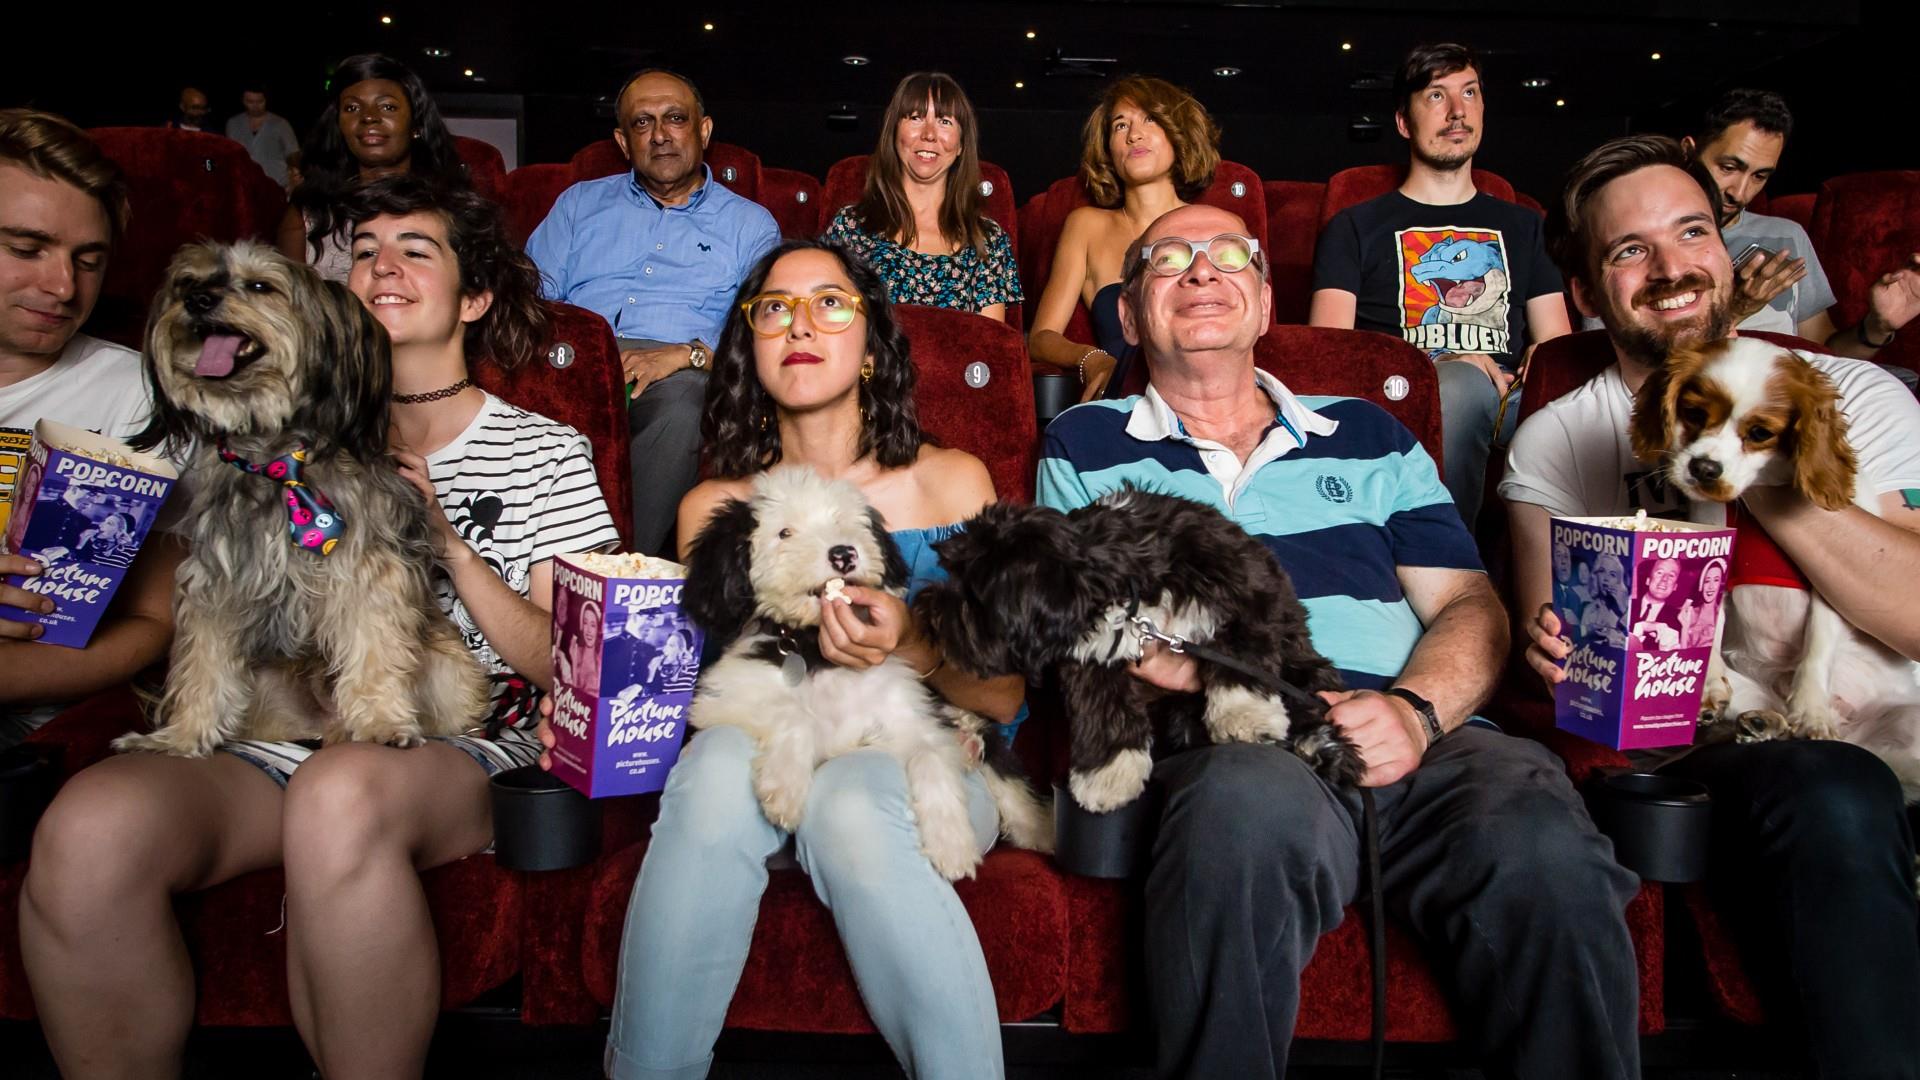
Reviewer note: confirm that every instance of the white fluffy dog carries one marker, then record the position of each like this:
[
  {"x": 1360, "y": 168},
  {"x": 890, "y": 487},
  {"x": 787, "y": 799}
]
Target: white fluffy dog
[{"x": 755, "y": 579}]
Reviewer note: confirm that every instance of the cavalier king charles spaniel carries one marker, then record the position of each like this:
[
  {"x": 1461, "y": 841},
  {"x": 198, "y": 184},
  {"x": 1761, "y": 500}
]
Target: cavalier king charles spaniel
[{"x": 1725, "y": 417}]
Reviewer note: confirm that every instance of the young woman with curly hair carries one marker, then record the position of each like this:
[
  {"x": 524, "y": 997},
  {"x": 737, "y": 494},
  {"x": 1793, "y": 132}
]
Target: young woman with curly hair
[
  {"x": 812, "y": 370},
  {"x": 1147, "y": 148}
]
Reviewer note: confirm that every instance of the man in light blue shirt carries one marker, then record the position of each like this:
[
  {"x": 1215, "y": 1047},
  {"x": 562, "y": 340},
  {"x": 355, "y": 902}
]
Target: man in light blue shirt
[{"x": 659, "y": 253}]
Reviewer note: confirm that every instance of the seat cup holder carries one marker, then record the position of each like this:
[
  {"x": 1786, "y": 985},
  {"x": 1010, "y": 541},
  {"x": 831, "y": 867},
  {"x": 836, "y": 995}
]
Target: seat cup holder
[
  {"x": 1660, "y": 825},
  {"x": 1115, "y": 844},
  {"x": 541, "y": 823}
]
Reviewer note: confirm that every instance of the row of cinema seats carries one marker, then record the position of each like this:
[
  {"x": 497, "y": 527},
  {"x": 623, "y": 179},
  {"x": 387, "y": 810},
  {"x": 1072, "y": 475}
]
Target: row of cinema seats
[
  {"x": 189, "y": 185},
  {"x": 1059, "y": 947}
]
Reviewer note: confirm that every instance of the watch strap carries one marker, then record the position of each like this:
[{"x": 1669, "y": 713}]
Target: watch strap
[{"x": 1422, "y": 708}]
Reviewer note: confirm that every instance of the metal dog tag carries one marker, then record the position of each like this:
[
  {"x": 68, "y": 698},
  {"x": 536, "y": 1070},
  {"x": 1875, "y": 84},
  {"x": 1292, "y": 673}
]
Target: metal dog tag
[{"x": 793, "y": 670}]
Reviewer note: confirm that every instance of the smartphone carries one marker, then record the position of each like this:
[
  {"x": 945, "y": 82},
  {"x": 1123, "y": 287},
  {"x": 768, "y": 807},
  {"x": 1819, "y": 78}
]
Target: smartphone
[{"x": 1751, "y": 252}]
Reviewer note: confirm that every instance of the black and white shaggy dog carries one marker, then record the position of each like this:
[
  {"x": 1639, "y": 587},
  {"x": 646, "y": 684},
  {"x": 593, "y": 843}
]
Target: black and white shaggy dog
[
  {"x": 756, "y": 576},
  {"x": 305, "y": 609},
  {"x": 1031, "y": 589}
]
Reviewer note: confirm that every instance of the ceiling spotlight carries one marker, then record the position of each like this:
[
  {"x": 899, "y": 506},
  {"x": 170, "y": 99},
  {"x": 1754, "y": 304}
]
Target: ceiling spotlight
[
  {"x": 1226, "y": 71},
  {"x": 468, "y": 73},
  {"x": 437, "y": 52},
  {"x": 855, "y": 61},
  {"x": 706, "y": 26},
  {"x": 1656, "y": 56},
  {"x": 1019, "y": 86},
  {"x": 1031, "y": 35},
  {"x": 1559, "y": 102},
  {"x": 1536, "y": 83},
  {"x": 1346, "y": 46},
  {"x": 386, "y": 20}
]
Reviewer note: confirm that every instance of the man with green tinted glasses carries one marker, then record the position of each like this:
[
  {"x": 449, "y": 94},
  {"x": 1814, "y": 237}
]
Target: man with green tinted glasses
[{"x": 1485, "y": 849}]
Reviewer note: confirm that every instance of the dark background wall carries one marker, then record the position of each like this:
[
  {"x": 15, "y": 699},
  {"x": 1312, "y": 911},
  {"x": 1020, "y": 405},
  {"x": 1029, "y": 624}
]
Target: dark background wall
[{"x": 774, "y": 73}]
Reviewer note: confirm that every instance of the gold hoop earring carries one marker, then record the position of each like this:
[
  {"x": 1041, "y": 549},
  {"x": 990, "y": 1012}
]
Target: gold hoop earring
[{"x": 866, "y": 371}]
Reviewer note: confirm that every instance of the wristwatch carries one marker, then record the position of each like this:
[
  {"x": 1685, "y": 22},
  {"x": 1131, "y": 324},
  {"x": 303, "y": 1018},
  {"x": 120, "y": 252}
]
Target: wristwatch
[
  {"x": 1423, "y": 708},
  {"x": 697, "y": 356}
]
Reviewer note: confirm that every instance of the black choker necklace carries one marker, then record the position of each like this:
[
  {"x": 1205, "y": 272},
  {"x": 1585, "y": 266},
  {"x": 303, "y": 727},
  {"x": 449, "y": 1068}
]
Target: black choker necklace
[{"x": 433, "y": 395}]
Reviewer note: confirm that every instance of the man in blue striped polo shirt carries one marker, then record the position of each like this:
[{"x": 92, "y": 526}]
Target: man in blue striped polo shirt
[{"x": 1486, "y": 850}]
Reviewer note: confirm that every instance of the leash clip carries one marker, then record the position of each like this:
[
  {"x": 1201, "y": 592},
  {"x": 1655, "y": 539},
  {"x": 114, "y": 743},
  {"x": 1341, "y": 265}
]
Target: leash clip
[{"x": 1144, "y": 629}]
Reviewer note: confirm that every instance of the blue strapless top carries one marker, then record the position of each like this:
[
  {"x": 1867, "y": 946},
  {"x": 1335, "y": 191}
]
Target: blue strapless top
[{"x": 1110, "y": 337}]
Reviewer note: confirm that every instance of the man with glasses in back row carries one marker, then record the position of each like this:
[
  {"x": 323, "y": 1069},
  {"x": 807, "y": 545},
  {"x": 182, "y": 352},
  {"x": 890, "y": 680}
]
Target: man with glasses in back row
[{"x": 1486, "y": 851}]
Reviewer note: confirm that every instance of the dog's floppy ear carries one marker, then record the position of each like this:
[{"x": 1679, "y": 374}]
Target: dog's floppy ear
[
  {"x": 1650, "y": 431},
  {"x": 1823, "y": 461},
  {"x": 719, "y": 593},
  {"x": 350, "y": 371},
  {"x": 893, "y": 577}
]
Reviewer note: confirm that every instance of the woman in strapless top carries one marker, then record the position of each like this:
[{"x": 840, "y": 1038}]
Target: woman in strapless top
[
  {"x": 1149, "y": 147},
  {"x": 381, "y": 122}
]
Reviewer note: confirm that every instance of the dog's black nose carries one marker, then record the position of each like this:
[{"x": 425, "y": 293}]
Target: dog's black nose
[
  {"x": 1705, "y": 470},
  {"x": 842, "y": 558},
  {"x": 200, "y": 301}
]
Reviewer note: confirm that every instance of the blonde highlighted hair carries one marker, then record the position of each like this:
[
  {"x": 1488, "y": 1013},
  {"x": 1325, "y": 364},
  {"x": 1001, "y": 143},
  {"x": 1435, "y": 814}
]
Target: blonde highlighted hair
[
  {"x": 1194, "y": 135},
  {"x": 52, "y": 148}
]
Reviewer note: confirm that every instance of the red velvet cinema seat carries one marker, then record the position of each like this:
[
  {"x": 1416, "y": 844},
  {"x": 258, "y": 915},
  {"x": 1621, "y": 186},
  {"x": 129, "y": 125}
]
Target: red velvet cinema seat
[
  {"x": 1293, "y": 227},
  {"x": 793, "y": 198},
  {"x": 530, "y": 194},
  {"x": 183, "y": 186},
  {"x": 478, "y": 913},
  {"x": 486, "y": 169},
  {"x": 1362, "y": 182},
  {"x": 1103, "y": 981},
  {"x": 1865, "y": 225},
  {"x": 797, "y": 978}
]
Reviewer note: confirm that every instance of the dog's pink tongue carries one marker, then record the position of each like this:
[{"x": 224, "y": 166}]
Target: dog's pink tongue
[{"x": 216, "y": 355}]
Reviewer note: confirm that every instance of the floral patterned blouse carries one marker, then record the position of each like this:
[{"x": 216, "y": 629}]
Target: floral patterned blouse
[{"x": 963, "y": 280}]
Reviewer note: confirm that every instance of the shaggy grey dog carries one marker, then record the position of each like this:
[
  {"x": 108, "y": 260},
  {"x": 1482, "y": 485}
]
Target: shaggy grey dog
[{"x": 305, "y": 609}]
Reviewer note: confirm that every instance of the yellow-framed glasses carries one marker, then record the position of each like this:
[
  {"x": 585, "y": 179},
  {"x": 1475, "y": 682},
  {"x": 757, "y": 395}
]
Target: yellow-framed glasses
[
  {"x": 1229, "y": 253},
  {"x": 829, "y": 311}
]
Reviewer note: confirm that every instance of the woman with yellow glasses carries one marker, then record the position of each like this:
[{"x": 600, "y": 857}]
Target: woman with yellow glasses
[{"x": 812, "y": 370}]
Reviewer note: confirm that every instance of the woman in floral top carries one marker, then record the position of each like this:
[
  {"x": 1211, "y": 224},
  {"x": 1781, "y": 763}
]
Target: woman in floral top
[{"x": 920, "y": 222}]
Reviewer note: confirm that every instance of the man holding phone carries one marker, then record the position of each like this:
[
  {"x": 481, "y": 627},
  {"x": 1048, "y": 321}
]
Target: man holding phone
[{"x": 1779, "y": 283}]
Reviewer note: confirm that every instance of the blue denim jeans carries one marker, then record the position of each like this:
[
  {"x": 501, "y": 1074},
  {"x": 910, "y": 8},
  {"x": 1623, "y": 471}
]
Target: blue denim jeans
[
  {"x": 1468, "y": 403},
  {"x": 911, "y": 945}
]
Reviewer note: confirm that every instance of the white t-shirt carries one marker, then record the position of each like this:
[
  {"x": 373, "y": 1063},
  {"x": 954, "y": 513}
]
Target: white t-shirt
[
  {"x": 95, "y": 385},
  {"x": 1574, "y": 458}
]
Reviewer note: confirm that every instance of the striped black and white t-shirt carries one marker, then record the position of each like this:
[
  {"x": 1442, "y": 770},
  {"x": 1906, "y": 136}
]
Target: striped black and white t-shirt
[{"x": 520, "y": 489}]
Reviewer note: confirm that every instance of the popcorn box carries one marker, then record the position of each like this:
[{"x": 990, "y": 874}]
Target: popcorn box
[
  {"x": 82, "y": 506},
  {"x": 624, "y": 663},
  {"x": 1641, "y": 608}
]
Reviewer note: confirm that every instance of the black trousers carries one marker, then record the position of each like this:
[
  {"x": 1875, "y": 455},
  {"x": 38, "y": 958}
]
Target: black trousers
[
  {"x": 1486, "y": 851},
  {"x": 1812, "y": 863},
  {"x": 664, "y": 429}
]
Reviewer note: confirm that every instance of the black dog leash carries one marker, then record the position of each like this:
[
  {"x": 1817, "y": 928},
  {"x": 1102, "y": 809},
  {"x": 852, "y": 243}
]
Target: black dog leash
[{"x": 1369, "y": 817}]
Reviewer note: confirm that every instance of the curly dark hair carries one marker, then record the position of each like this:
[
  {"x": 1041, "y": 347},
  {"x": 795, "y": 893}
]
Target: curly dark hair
[
  {"x": 515, "y": 325},
  {"x": 741, "y": 429},
  {"x": 1765, "y": 109},
  {"x": 328, "y": 169}
]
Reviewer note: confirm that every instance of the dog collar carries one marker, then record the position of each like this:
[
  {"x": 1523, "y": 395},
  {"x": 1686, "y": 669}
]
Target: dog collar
[
  {"x": 797, "y": 653},
  {"x": 312, "y": 522}
]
